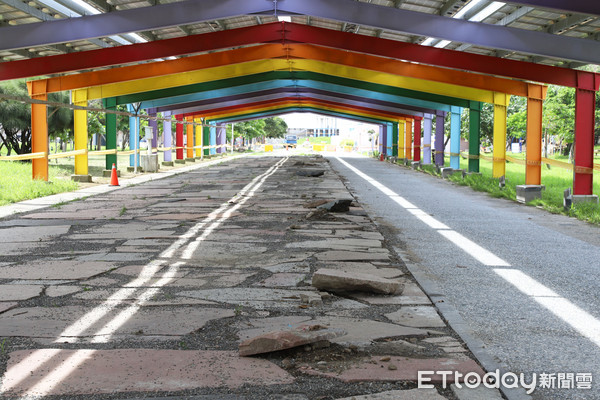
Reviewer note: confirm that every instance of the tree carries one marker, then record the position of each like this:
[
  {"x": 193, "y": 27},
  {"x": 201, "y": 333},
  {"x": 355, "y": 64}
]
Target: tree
[
  {"x": 559, "y": 116},
  {"x": 275, "y": 127},
  {"x": 15, "y": 118}
]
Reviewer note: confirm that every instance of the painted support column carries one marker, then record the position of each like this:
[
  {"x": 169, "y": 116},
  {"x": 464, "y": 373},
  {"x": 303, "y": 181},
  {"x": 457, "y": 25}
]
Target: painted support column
[
  {"x": 427, "y": 124},
  {"x": 439, "y": 138},
  {"x": 500, "y": 107},
  {"x": 213, "y": 139},
  {"x": 221, "y": 137},
  {"x": 585, "y": 106},
  {"x": 198, "y": 134},
  {"x": 390, "y": 132},
  {"x": 152, "y": 123},
  {"x": 167, "y": 137},
  {"x": 381, "y": 138},
  {"x": 474, "y": 135},
  {"x": 39, "y": 129},
  {"x": 111, "y": 132},
  {"x": 189, "y": 138},
  {"x": 408, "y": 138},
  {"x": 401, "y": 134},
  {"x": 134, "y": 136},
  {"x": 395, "y": 134},
  {"x": 179, "y": 137},
  {"x": 455, "y": 113},
  {"x": 384, "y": 139},
  {"x": 206, "y": 137},
  {"x": 535, "y": 99},
  {"x": 417, "y": 140},
  {"x": 80, "y": 124}
]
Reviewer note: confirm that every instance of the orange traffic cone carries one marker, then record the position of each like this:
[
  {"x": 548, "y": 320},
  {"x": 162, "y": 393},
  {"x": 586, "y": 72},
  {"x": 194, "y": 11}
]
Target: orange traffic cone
[{"x": 114, "y": 180}]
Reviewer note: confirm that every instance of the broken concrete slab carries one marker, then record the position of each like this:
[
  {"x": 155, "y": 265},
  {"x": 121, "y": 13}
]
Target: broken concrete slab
[
  {"x": 418, "y": 317},
  {"x": 366, "y": 268},
  {"x": 340, "y": 205},
  {"x": 32, "y": 233},
  {"x": 292, "y": 267},
  {"x": 411, "y": 295},
  {"x": 287, "y": 339},
  {"x": 283, "y": 279},
  {"x": 342, "y": 281},
  {"x": 336, "y": 255},
  {"x": 411, "y": 394},
  {"x": 249, "y": 297},
  {"x": 57, "y": 291},
  {"x": 5, "y": 306},
  {"x": 135, "y": 370},
  {"x": 345, "y": 244},
  {"x": 371, "y": 369},
  {"x": 316, "y": 203},
  {"x": 55, "y": 269},
  {"x": 19, "y": 292},
  {"x": 476, "y": 393}
]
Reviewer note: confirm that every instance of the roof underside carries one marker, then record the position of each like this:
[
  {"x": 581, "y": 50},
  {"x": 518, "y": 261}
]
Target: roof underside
[{"x": 582, "y": 28}]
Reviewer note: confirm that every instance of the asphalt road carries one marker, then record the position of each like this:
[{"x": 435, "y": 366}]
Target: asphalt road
[{"x": 524, "y": 281}]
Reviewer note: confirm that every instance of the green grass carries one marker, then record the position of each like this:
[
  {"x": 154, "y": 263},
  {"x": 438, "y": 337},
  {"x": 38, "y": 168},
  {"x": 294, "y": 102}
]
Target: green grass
[
  {"x": 316, "y": 140},
  {"x": 16, "y": 183},
  {"x": 555, "y": 179}
]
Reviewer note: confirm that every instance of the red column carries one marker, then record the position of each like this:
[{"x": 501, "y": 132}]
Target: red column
[
  {"x": 179, "y": 137},
  {"x": 417, "y": 140},
  {"x": 585, "y": 106}
]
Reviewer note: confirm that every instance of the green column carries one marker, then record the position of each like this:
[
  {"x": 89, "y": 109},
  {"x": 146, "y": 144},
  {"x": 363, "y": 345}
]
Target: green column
[
  {"x": 474, "y": 135},
  {"x": 111, "y": 131},
  {"x": 206, "y": 137}
]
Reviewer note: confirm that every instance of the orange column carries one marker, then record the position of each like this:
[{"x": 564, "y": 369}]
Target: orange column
[
  {"x": 533, "y": 171},
  {"x": 408, "y": 138},
  {"x": 189, "y": 131},
  {"x": 39, "y": 128}
]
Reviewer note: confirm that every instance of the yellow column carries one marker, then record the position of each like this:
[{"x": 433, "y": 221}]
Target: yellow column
[
  {"x": 198, "y": 130},
  {"x": 408, "y": 139},
  {"x": 80, "y": 98},
  {"x": 535, "y": 98},
  {"x": 401, "y": 134},
  {"x": 39, "y": 129},
  {"x": 190, "y": 137},
  {"x": 500, "y": 105}
]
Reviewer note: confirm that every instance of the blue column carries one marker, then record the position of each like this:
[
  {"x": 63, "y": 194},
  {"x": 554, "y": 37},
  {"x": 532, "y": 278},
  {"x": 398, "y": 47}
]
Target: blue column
[
  {"x": 134, "y": 136},
  {"x": 455, "y": 113},
  {"x": 390, "y": 140},
  {"x": 167, "y": 136},
  {"x": 213, "y": 139},
  {"x": 427, "y": 123},
  {"x": 439, "y": 138}
]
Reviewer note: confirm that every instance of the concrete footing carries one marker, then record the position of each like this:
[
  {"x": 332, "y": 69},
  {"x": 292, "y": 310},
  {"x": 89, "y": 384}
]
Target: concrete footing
[
  {"x": 415, "y": 164},
  {"x": 190, "y": 159},
  {"x": 149, "y": 162},
  {"x": 527, "y": 193},
  {"x": 584, "y": 198},
  {"x": 179, "y": 161},
  {"x": 446, "y": 172},
  {"x": 81, "y": 178},
  {"x": 167, "y": 163},
  {"x": 107, "y": 173},
  {"x": 132, "y": 169}
]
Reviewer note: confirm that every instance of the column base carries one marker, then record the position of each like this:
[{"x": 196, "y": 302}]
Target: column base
[
  {"x": 107, "y": 173},
  {"x": 179, "y": 161},
  {"x": 149, "y": 162},
  {"x": 446, "y": 172},
  {"x": 82, "y": 178},
  {"x": 132, "y": 169},
  {"x": 584, "y": 198},
  {"x": 527, "y": 193},
  {"x": 190, "y": 159},
  {"x": 415, "y": 164},
  {"x": 167, "y": 163}
]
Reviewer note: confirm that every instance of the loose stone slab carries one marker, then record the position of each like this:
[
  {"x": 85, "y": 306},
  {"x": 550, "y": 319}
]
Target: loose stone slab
[
  {"x": 418, "y": 317},
  {"x": 50, "y": 322},
  {"x": 337, "y": 255},
  {"x": 281, "y": 340},
  {"x": 293, "y": 267},
  {"x": 413, "y": 394},
  {"x": 57, "y": 291},
  {"x": 336, "y": 242},
  {"x": 57, "y": 269},
  {"x": 249, "y": 297},
  {"x": 411, "y": 294},
  {"x": 140, "y": 370},
  {"x": 32, "y": 233},
  {"x": 19, "y": 292},
  {"x": 282, "y": 280},
  {"x": 366, "y": 268},
  {"x": 338, "y": 280},
  {"x": 371, "y": 369}
]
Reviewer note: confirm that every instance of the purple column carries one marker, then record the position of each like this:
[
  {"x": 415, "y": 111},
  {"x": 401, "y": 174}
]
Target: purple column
[
  {"x": 439, "y": 138},
  {"x": 154, "y": 125},
  {"x": 221, "y": 132},
  {"x": 427, "y": 138},
  {"x": 383, "y": 140},
  {"x": 167, "y": 136}
]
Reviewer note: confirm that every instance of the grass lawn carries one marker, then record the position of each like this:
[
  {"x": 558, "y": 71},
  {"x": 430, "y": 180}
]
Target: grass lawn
[
  {"x": 316, "y": 140},
  {"x": 16, "y": 183}
]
